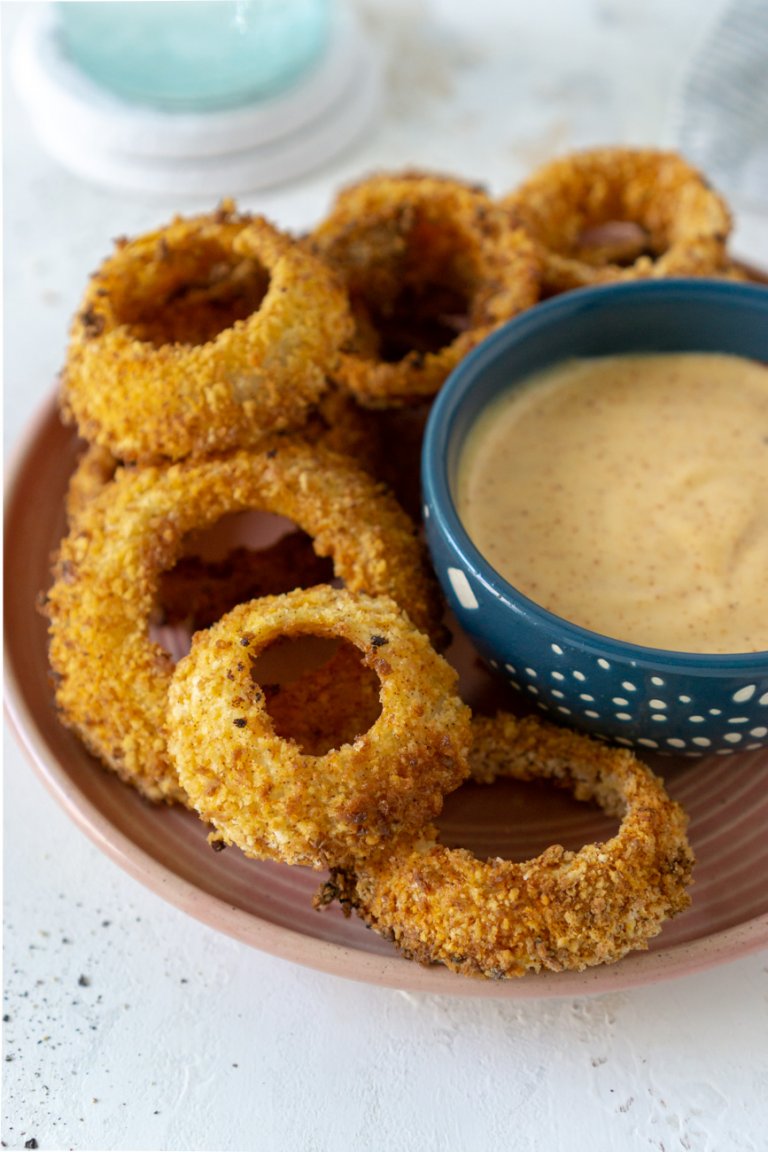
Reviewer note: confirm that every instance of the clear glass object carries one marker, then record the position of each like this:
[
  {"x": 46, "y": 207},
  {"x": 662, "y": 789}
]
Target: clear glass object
[{"x": 203, "y": 54}]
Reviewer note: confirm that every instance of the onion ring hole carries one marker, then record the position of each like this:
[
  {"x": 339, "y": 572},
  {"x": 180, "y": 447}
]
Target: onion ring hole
[
  {"x": 243, "y": 556},
  {"x": 193, "y": 294},
  {"x": 620, "y": 242},
  {"x": 419, "y": 297},
  {"x": 422, "y": 318},
  {"x": 517, "y": 820},
  {"x": 237, "y": 530},
  {"x": 317, "y": 691}
]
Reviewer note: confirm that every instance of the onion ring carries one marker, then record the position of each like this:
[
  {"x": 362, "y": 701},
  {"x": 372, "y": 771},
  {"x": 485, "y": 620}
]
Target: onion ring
[
  {"x": 431, "y": 266},
  {"x": 201, "y": 337},
  {"x": 260, "y": 791},
  {"x": 683, "y": 222},
  {"x": 561, "y": 910},
  {"x": 112, "y": 679}
]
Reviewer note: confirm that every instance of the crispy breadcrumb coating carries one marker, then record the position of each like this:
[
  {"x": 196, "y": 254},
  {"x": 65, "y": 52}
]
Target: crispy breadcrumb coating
[
  {"x": 681, "y": 223},
  {"x": 200, "y": 337},
  {"x": 562, "y": 910},
  {"x": 431, "y": 266},
  {"x": 275, "y": 801},
  {"x": 111, "y": 678}
]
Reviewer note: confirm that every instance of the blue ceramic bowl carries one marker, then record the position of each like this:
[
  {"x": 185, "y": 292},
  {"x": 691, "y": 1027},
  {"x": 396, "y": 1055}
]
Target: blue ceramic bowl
[{"x": 683, "y": 703}]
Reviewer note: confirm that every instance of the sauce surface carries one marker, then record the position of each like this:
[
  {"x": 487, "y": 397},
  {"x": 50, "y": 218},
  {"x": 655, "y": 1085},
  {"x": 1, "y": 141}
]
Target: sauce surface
[{"x": 629, "y": 494}]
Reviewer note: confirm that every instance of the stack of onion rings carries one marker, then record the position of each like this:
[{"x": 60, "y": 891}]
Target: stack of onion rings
[
  {"x": 259, "y": 790},
  {"x": 201, "y": 337},
  {"x": 419, "y": 252},
  {"x": 219, "y": 365},
  {"x": 563, "y": 909},
  {"x": 682, "y": 223},
  {"x": 112, "y": 679}
]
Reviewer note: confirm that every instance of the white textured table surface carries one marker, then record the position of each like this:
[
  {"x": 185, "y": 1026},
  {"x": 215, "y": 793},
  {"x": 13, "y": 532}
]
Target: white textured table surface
[{"x": 130, "y": 1026}]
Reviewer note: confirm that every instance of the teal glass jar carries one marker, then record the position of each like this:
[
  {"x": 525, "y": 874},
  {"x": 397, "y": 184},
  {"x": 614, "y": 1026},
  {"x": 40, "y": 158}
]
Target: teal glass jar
[{"x": 198, "y": 55}]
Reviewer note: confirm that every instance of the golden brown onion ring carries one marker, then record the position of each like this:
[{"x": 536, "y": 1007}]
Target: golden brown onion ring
[
  {"x": 201, "y": 337},
  {"x": 112, "y": 679},
  {"x": 431, "y": 266},
  {"x": 562, "y": 910},
  {"x": 574, "y": 206},
  {"x": 261, "y": 791}
]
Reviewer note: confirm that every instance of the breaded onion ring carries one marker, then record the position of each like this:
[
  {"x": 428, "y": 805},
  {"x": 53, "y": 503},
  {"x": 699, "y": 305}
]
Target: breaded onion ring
[
  {"x": 274, "y": 801},
  {"x": 561, "y": 910},
  {"x": 201, "y": 337},
  {"x": 576, "y": 206},
  {"x": 431, "y": 266},
  {"x": 112, "y": 679}
]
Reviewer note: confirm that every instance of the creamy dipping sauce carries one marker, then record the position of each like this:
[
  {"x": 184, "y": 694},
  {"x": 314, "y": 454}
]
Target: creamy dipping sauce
[{"x": 629, "y": 494}]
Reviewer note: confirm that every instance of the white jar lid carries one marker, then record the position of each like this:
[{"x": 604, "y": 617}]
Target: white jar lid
[{"x": 222, "y": 152}]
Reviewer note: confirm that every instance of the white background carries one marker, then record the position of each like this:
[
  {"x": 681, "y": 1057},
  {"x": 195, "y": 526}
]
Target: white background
[{"x": 181, "y": 1039}]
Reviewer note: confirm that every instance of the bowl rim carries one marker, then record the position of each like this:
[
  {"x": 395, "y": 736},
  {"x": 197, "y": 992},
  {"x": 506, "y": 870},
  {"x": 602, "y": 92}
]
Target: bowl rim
[{"x": 439, "y": 504}]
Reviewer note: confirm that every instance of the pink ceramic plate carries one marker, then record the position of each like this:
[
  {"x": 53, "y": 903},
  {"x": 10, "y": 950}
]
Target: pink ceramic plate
[{"x": 269, "y": 906}]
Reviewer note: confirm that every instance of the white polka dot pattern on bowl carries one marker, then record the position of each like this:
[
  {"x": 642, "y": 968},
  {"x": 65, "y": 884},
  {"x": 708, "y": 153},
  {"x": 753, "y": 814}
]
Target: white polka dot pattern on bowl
[
  {"x": 669, "y": 712},
  {"x": 462, "y": 589},
  {"x": 587, "y": 692}
]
